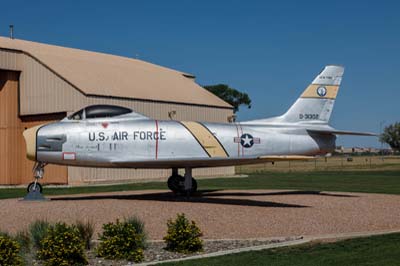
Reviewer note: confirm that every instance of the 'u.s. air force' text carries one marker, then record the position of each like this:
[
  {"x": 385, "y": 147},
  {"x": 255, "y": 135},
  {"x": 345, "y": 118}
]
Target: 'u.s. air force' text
[{"x": 125, "y": 136}]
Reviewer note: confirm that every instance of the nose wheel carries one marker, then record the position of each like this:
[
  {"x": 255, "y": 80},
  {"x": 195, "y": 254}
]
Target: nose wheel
[
  {"x": 34, "y": 186},
  {"x": 182, "y": 184}
]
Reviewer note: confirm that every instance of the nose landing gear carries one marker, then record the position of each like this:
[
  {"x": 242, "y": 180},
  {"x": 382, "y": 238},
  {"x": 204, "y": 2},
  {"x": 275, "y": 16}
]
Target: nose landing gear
[
  {"x": 35, "y": 189},
  {"x": 38, "y": 172},
  {"x": 182, "y": 184}
]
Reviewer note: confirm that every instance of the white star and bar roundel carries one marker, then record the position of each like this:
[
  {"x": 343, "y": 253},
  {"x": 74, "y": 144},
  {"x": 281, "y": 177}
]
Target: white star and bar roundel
[{"x": 247, "y": 140}]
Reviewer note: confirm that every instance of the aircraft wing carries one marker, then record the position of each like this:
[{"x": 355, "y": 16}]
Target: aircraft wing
[
  {"x": 340, "y": 132},
  {"x": 210, "y": 162},
  {"x": 275, "y": 158}
]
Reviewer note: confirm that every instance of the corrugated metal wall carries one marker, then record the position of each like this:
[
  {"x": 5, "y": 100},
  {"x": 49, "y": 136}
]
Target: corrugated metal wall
[
  {"x": 43, "y": 91},
  {"x": 9, "y": 128},
  {"x": 81, "y": 175},
  {"x": 15, "y": 168}
]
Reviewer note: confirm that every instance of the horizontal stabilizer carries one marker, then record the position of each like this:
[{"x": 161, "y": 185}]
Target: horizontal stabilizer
[{"x": 340, "y": 132}]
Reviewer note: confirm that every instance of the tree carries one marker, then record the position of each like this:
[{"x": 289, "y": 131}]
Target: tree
[
  {"x": 391, "y": 135},
  {"x": 230, "y": 95}
]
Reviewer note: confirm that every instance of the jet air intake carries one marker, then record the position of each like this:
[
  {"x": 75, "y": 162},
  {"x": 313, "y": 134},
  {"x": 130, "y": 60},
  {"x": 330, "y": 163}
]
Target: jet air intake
[{"x": 30, "y": 141}]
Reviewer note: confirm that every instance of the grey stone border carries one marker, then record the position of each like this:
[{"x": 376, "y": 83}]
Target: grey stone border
[{"x": 298, "y": 241}]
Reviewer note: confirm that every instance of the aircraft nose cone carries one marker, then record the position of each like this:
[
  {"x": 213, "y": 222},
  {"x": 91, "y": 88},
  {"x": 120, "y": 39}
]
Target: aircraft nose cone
[{"x": 30, "y": 141}]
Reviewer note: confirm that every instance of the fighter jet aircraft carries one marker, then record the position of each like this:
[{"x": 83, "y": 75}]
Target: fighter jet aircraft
[{"x": 114, "y": 136}]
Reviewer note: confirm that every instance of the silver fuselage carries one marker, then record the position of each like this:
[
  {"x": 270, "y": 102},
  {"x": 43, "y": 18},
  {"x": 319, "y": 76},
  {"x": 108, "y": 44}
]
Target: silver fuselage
[
  {"x": 146, "y": 143},
  {"x": 115, "y": 136}
]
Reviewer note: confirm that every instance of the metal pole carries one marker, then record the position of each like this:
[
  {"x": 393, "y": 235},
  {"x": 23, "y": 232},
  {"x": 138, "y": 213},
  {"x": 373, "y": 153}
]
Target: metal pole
[
  {"x": 11, "y": 31},
  {"x": 380, "y": 132}
]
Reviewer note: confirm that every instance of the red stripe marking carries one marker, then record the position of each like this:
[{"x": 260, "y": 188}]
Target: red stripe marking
[
  {"x": 237, "y": 130},
  {"x": 241, "y": 134},
  {"x": 158, "y": 136}
]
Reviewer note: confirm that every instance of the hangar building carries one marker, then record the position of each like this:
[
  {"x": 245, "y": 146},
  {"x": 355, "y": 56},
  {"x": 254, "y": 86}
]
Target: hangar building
[{"x": 40, "y": 83}]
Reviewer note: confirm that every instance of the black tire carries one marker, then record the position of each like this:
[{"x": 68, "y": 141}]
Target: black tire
[
  {"x": 174, "y": 183},
  {"x": 38, "y": 187},
  {"x": 177, "y": 184},
  {"x": 194, "y": 185}
]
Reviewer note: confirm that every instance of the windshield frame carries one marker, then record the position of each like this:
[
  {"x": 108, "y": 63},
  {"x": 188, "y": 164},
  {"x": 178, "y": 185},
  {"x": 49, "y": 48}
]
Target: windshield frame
[{"x": 101, "y": 111}]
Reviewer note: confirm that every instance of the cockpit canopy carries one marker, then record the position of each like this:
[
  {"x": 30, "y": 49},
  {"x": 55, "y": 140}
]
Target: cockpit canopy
[{"x": 99, "y": 111}]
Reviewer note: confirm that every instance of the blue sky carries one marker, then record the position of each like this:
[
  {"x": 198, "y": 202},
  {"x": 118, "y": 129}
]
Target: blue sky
[{"x": 270, "y": 49}]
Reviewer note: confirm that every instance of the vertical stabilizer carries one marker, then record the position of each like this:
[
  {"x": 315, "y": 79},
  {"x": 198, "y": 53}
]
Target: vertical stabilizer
[{"x": 316, "y": 102}]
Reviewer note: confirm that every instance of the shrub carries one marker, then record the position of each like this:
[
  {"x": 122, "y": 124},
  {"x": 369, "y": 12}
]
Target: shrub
[
  {"x": 24, "y": 240},
  {"x": 62, "y": 246},
  {"x": 121, "y": 240},
  {"x": 38, "y": 231},
  {"x": 183, "y": 236},
  {"x": 86, "y": 230},
  {"x": 9, "y": 251},
  {"x": 138, "y": 224}
]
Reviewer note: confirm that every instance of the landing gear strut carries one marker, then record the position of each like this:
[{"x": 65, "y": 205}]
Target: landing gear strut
[
  {"x": 38, "y": 172},
  {"x": 182, "y": 184}
]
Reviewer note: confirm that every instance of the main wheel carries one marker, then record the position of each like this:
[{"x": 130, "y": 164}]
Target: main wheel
[
  {"x": 177, "y": 184},
  {"x": 31, "y": 187},
  {"x": 194, "y": 185}
]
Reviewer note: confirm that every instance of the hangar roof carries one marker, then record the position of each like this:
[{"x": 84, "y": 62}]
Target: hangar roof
[{"x": 108, "y": 75}]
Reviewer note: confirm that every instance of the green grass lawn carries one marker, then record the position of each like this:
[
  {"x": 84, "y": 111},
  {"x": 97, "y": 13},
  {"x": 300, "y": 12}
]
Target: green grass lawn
[
  {"x": 356, "y": 181},
  {"x": 376, "y": 250},
  {"x": 21, "y": 192}
]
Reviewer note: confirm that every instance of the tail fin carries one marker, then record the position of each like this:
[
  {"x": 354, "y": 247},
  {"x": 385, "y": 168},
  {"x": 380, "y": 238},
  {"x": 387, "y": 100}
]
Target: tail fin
[{"x": 316, "y": 102}]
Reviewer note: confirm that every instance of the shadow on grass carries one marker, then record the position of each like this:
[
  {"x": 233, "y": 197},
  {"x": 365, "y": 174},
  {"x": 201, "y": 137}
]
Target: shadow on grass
[{"x": 209, "y": 197}]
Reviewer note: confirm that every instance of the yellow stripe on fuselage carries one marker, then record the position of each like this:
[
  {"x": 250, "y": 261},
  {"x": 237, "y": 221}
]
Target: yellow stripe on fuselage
[
  {"x": 206, "y": 139},
  {"x": 312, "y": 91}
]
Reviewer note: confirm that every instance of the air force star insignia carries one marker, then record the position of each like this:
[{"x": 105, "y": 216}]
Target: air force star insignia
[{"x": 247, "y": 140}]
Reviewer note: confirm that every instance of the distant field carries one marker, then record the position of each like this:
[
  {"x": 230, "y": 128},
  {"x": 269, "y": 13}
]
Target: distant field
[
  {"x": 376, "y": 250},
  {"x": 335, "y": 163},
  {"x": 352, "y": 181}
]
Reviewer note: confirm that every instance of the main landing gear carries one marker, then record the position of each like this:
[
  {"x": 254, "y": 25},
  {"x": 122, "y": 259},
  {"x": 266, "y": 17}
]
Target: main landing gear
[
  {"x": 182, "y": 184},
  {"x": 38, "y": 172}
]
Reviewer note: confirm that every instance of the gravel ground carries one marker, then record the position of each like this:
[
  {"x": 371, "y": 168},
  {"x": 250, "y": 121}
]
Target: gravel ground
[
  {"x": 220, "y": 214},
  {"x": 155, "y": 251}
]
